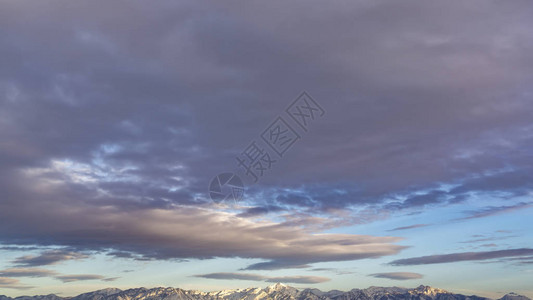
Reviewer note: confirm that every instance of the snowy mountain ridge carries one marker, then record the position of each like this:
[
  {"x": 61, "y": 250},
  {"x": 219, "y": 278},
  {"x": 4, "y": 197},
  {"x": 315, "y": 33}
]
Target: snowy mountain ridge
[{"x": 274, "y": 292}]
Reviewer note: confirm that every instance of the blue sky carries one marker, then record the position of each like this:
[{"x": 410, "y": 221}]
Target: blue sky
[{"x": 407, "y": 160}]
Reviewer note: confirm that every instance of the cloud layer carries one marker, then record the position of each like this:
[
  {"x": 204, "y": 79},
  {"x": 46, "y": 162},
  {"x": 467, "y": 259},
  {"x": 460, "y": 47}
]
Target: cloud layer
[
  {"x": 184, "y": 232},
  {"x": 112, "y": 126}
]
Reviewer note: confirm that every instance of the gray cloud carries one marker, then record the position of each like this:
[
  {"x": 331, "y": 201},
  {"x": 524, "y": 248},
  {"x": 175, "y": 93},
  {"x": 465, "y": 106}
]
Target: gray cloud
[
  {"x": 259, "y": 210},
  {"x": 299, "y": 279},
  {"x": 464, "y": 256},
  {"x": 109, "y": 279},
  {"x": 27, "y": 272},
  {"x": 17, "y": 248},
  {"x": 37, "y": 272},
  {"x": 409, "y": 227},
  {"x": 424, "y": 199},
  {"x": 256, "y": 277},
  {"x": 81, "y": 277},
  {"x": 398, "y": 275},
  {"x": 48, "y": 258}
]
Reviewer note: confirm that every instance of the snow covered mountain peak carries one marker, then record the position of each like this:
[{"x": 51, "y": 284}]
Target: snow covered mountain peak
[
  {"x": 276, "y": 287},
  {"x": 429, "y": 291},
  {"x": 513, "y": 296}
]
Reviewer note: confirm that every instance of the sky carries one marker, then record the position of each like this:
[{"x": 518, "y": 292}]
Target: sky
[{"x": 371, "y": 143}]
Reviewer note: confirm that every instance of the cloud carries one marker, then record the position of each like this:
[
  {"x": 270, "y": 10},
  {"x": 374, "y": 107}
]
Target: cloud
[
  {"x": 432, "y": 197},
  {"x": 495, "y": 210},
  {"x": 277, "y": 264},
  {"x": 17, "y": 248},
  {"x": 334, "y": 270},
  {"x": 108, "y": 141},
  {"x": 10, "y": 283},
  {"x": 299, "y": 279},
  {"x": 488, "y": 239},
  {"x": 259, "y": 210},
  {"x": 398, "y": 275},
  {"x": 27, "y": 272},
  {"x": 48, "y": 258},
  {"x": 109, "y": 279},
  {"x": 233, "y": 276},
  {"x": 162, "y": 234},
  {"x": 409, "y": 227},
  {"x": 489, "y": 245},
  {"x": 524, "y": 260},
  {"x": 361, "y": 131},
  {"x": 37, "y": 272},
  {"x": 464, "y": 256},
  {"x": 81, "y": 277},
  {"x": 256, "y": 277}
]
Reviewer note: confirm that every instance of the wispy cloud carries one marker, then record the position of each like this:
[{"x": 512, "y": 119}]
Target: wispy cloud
[
  {"x": 299, "y": 279},
  {"x": 10, "y": 283},
  {"x": 464, "y": 256},
  {"x": 278, "y": 264},
  {"x": 109, "y": 279},
  {"x": 48, "y": 258},
  {"x": 488, "y": 239},
  {"x": 233, "y": 276},
  {"x": 37, "y": 272},
  {"x": 495, "y": 210},
  {"x": 409, "y": 227},
  {"x": 398, "y": 275},
  {"x": 27, "y": 272},
  {"x": 256, "y": 277},
  {"x": 333, "y": 270},
  {"x": 80, "y": 277}
]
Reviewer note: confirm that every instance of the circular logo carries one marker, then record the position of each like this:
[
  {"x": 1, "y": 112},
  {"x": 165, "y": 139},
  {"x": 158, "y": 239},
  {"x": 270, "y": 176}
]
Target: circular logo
[{"x": 226, "y": 186}]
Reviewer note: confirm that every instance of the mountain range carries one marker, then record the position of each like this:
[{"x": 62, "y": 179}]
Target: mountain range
[{"x": 276, "y": 292}]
